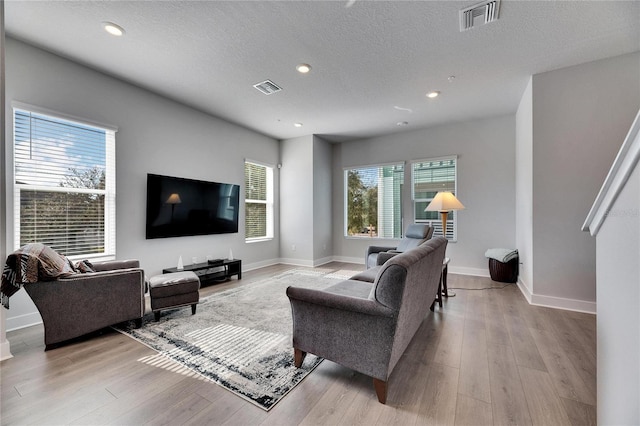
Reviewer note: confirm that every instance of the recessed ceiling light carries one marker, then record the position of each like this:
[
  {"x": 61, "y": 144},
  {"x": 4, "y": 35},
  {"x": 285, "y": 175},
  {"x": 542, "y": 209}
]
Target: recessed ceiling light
[
  {"x": 303, "y": 68},
  {"x": 402, "y": 123},
  {"x": 113, "y": 29},
  {"x": 297, "y": 124},
  {"x": 433, "y": 94}
]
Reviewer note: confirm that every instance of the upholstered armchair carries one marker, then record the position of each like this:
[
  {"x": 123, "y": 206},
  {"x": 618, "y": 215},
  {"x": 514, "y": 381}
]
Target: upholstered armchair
[
  {"x": 77, "y": 304},
  {"x": 415, "y": 235}
]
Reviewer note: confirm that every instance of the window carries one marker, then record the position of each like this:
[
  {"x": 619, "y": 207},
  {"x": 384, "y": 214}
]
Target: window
[
  {"x": 427, "y": 178},
  {"x": 373, "y": 200},
  {"x": 64, "y": 185},
  {"x": 258, "y": 190}
]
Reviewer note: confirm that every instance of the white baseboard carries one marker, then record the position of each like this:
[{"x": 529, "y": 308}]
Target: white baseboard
[
  {"x": 461, "y": 270},
  {"x": 308, "y": 263},
  {"x": 297, "y": 262},
  {"x": 23, "y": 321},
  {"x": 258, "y": 265},
  {"x": 556, "y": 302},
  {"x": 5, "y": 350},
  {"x": 344, "y": 259},
  {"x": 322, "y": 261},
  {"x": 524, "y": 289}
]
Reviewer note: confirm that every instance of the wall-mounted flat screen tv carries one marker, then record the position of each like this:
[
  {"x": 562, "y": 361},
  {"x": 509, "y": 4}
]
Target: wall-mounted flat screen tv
[{"x": 179, "y": 207}]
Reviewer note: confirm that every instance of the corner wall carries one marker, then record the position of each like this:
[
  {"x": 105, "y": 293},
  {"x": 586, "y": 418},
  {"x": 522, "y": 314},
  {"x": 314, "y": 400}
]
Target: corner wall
[
  {"x": 305, "y": 201},
  {"x": 580, "y": 117},
  {"x": 322, "y": 201},
  {"x": 296, "y": 201},
  {"x": 524, "y": 189},
  {"x": 618, "y": 270},
  {"x": 156, "y": 135},
  {"x": 5, "y": 349}
]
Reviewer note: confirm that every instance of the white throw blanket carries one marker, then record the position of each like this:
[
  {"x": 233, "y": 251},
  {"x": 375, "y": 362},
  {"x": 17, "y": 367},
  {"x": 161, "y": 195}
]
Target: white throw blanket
[{"x": 501, "y": 255}]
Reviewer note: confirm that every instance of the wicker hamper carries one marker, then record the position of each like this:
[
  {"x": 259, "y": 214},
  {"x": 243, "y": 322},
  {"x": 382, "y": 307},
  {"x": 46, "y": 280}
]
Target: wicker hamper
[{"x": 504, "y": 272}]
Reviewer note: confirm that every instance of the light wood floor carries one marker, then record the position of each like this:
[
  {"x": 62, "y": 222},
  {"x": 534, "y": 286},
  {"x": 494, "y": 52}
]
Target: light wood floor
[{"x": 487, "y": 357}]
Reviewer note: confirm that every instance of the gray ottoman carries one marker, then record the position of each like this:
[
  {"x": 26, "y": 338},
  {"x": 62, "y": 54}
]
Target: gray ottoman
[{"x": 174, "y": 290}]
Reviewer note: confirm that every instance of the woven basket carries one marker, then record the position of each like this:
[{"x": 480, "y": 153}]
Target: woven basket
[{"x": 504, "y": 272}]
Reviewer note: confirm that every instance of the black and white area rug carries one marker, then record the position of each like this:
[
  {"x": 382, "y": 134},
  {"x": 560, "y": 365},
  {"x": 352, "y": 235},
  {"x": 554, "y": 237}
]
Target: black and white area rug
[{"x": 239, "y": 338}]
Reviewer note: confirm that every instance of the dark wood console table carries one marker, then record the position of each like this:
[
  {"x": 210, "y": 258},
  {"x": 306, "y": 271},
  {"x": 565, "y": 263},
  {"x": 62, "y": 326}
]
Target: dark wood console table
[{"x": 210, "y": 273}]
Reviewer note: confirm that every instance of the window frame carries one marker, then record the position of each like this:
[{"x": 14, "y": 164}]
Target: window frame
[
  {"x": 268, "y": 202},
  {"x": 452, "y": 236},
  {"x": 400, "y": 206},
  {"x": 109, "y": 192}
]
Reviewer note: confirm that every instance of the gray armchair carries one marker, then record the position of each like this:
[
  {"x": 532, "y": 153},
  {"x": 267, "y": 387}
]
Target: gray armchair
[
  {"x": 415, "y": 235},
  {"x": 78, "y": 304}
]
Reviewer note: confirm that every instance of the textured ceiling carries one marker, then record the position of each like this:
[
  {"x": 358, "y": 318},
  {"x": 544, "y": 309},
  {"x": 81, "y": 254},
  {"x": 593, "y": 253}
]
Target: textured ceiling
[{"x": 368, "y": 57}]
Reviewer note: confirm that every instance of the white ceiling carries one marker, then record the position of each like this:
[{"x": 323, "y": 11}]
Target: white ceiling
[{"x": 367, "y": 56}]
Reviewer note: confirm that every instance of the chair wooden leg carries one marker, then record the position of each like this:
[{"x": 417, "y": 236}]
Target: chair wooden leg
[
  {"x": 298, "y": 357},
  {"x": 193, "y": 309},
  {"x": 381, "y": 390},
  {"x": 156, "y": 315}
]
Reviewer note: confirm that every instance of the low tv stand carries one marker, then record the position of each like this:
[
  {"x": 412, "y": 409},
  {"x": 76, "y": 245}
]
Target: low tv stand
[{"x": 212, "y": 272}]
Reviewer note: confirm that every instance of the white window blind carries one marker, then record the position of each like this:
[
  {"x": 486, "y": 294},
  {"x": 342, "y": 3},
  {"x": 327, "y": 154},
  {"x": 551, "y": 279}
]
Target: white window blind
[
  {"x": 373, "y": 201},
  {"x": 428, "y": 177},
  {"x": 258, "y": 187},
  {"x": 64, "y": 185}
]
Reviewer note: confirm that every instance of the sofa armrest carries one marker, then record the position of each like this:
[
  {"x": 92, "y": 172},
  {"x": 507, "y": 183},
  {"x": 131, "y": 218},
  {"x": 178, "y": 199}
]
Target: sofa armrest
[
  {"x": 338, "y": 301},
  {"x": 110, "y": 265},
  {"x": 355, "y": 332},
  {"x": 369, "y": 260},
  {"x": 386, "y": 255},
  {"x": 378, "y": 249}
]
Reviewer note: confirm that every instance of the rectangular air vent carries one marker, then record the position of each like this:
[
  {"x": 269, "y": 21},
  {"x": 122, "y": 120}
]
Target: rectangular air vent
[
  {"x": 479, "y": 14},
  {"x": 267, "y": 87}
]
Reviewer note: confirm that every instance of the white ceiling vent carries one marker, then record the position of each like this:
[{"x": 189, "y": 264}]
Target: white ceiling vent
[
  {"x": 479, "y": 14},
  {"x": 267, "y": 87}
]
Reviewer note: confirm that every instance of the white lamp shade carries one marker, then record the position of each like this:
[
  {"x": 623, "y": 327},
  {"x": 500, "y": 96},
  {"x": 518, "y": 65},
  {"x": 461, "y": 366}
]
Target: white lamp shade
[
  {"x": 443, "y": 202},
  {"x": 174, "y": 199}
]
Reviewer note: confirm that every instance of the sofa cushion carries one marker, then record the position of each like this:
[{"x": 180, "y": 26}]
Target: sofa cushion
[
  {"x": 351, "y": 288},
  {"x": 84, "y": 267},
  {"x": 368, "y": 275}
]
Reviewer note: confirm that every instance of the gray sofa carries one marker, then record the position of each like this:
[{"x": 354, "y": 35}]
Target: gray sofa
[
  {"x": 78, "y": 304},
  {"x": 367, "y": 326}
]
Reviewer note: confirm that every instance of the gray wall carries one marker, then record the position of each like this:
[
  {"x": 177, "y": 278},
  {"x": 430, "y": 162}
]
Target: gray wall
[
  {"x": 305, "y": 201},
  {"x": 486, "y": 185},
  {"x": 580, "y": 117},
  {"x": 322, "y": 201},
  {"x": 5, "y": 350},
  {"x": 296, "y": 201},
  {"x": 618, "y": 292},
  {"x": 524, "y": 188},
  {"x": 155, "y": 135}
]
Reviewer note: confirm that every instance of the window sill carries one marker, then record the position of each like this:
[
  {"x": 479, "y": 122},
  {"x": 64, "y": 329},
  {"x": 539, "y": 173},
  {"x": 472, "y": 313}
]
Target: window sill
[
  {"x": 350, "y": 237},
  {"x": 258, "y": 240},
  {"x": 92, "y": 257}
]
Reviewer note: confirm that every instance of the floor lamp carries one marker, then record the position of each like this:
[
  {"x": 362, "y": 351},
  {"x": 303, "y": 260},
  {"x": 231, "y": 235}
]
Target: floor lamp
[
  {"x": 444, "y": 202},
  {"x": 173, "y": 200}
]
